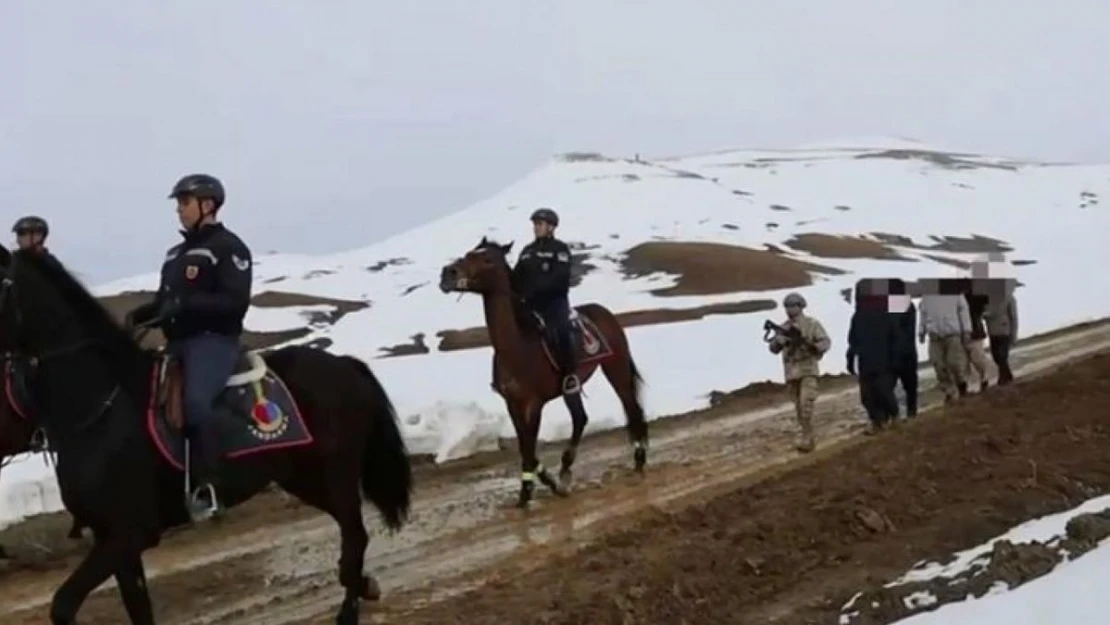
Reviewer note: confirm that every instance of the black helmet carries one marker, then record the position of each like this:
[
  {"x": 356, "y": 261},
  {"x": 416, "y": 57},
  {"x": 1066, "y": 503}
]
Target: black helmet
[
  {"x": 546, "y": 215},
  {"x": 31, "y": 223},
  {"x": 200, "y": 186}
]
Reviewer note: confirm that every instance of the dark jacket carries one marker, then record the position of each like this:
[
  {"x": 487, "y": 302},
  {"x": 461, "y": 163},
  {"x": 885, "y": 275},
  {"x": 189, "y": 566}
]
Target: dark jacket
[
  {"x": 542, "y": 272},
  {"x": 907, "y": 331},
  {"x": 205, "y": 286},
  {"x": 874, "y": 336}
]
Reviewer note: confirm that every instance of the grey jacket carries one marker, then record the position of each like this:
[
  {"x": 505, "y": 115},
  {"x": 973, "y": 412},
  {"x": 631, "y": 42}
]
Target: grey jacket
[
  {"x": 1002, "y": 318},
  {"x": 943, "y": 315}
]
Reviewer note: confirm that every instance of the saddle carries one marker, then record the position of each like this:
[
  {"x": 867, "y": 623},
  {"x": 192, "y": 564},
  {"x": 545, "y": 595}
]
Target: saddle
[
  {"x": 250, "y": 368},
  {"x": 258, "y": 412},
  {"x": 589, "y": 343}
]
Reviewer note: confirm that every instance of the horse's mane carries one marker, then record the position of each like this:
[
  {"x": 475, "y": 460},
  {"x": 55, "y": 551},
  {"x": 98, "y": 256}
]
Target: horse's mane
[
  {"x": 525, "y": 319},
  {"x": 91, "y": 313}
]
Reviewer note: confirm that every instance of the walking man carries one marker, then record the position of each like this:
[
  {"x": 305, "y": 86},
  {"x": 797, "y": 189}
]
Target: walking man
[
  {"x": 802, "y": 346},
  {"x": 873, "y": 336},
  {"x": 1002, "y": 326},
  {"x": 945, "y": 321}
]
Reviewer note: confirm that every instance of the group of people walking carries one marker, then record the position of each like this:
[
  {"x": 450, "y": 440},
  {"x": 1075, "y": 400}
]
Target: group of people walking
[{"x": 955, "y": 320}]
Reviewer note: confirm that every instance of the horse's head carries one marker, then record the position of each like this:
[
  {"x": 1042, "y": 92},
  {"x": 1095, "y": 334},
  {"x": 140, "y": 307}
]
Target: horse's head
[{"x": 483, "y": 269}]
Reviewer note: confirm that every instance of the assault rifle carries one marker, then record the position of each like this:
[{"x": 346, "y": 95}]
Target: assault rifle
[{"x": 793, "y": 335}]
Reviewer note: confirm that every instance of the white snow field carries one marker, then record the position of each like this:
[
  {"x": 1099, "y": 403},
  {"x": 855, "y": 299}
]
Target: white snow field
[
  {"x": 1076, "y": 591},
  {"x": 1049, "y": 214}
]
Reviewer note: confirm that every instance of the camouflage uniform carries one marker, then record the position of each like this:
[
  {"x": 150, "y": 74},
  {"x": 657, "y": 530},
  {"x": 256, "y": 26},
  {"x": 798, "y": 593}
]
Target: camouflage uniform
[{"x": 800, "y": 367}]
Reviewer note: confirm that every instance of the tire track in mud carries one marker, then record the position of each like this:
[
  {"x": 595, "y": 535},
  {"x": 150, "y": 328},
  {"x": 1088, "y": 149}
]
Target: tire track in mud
[{"x": 465, "y": 528}]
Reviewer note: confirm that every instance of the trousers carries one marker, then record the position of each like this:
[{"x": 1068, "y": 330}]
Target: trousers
[{"x": 208, "y": 361}]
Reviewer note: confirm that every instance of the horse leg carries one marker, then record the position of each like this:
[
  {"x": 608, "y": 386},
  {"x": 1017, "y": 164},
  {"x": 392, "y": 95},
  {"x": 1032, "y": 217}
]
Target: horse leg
[
  {"x": 131, "y": 580},
  {"x": 342, "y": 501},
  {"x": 625, "y": 380},
  {"x": 578, "y": 419},
  {"x": 99, "y": 563},
  {"x": 527, "y": 453}
]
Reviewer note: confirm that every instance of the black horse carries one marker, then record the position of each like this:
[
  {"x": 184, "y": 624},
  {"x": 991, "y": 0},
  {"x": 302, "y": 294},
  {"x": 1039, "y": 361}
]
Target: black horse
[{"x": 109, "y": 409}]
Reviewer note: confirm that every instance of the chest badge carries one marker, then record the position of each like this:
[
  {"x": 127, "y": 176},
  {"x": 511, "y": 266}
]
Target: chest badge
[{"x": 191, "y": 272}]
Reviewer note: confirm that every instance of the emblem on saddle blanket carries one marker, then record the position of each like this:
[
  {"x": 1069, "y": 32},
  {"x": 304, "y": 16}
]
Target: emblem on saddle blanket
[
  {"x": 261, "y": 414},
  {"x": 590, "y": 342}
]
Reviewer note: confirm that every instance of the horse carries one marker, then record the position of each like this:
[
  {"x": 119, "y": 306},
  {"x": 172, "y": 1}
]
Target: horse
[
  {"x": 315, "y": 423},
  {"x": 19, "y": 433},
  {"x": 525, "y": 373}
]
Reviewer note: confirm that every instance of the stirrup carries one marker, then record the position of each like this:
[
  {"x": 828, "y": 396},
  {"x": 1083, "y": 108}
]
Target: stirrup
[
  {"x": 199, "y": 509},
  {"x": 571, "y": 384}
]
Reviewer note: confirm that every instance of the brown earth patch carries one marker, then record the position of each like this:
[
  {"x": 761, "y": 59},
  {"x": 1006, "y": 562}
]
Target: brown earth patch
[
  {"x": 794, "y": 547},
  {"x": 414, "y": 347},
  {"x": 478, "y": 336},
  {"x": 975, "y": 244},
  {"x": 949, "y": 160},
  {"x": 120, "y": 304},
  {"x": 831, "y": 246},
  {"x": 717, "y": 269}
]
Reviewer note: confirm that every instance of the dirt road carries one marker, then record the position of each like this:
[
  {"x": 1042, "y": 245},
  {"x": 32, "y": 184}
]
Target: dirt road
[{"x": 274, "y": 563}]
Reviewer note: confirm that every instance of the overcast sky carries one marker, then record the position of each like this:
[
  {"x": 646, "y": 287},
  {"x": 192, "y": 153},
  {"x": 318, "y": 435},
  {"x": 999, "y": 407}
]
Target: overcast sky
[{"x": 335, "y": 123}]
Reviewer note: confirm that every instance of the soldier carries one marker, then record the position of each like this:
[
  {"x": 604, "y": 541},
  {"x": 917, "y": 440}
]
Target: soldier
[{"x": 801, "y": 351}]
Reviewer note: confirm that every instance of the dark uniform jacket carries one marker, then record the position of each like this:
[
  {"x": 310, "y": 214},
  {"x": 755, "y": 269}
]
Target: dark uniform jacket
[
  {"x": 542, "y": 272},
  {"x": 205, "y": 286}
]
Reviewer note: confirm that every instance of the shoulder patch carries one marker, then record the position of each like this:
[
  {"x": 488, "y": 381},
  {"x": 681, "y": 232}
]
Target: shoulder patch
[{"x": 242, "y": 264}]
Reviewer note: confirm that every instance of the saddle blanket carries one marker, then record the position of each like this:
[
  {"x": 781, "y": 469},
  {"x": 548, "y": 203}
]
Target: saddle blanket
[
  {"x": 589, "y": 343},
  {"x": 260, "y": 413}
]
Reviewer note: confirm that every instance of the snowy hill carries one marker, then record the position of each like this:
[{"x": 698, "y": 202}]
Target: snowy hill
[{"x": 694, "y": 252}]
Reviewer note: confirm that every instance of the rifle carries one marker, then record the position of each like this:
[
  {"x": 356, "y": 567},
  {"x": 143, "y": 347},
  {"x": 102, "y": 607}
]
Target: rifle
[{"x": 793, "y": 334}]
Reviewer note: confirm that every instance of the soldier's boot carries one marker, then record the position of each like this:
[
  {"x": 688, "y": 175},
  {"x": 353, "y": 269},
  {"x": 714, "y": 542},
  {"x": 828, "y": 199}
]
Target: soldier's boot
[
  {"x": 961, "y": 388},
  {"x": 983, "y": 386},
  {"x": 806, "y": 441}
]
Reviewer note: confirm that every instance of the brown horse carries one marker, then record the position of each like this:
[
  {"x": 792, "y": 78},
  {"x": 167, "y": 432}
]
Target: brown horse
[
  {"x": 19, "y": 434},
  {"x": 525, "y": 374}
]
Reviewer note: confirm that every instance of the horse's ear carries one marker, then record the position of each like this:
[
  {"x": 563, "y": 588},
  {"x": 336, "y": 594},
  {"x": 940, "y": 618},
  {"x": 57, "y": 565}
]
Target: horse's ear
[
  {"x": 505, "y": 249},
  {"x": 481, "y": 243}
]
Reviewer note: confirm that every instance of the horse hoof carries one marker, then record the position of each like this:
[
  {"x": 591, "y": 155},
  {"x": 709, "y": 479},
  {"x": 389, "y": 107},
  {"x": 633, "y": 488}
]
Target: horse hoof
[
  {"x": 371, "y": 591},
  {"x": 640, "y": 458}
]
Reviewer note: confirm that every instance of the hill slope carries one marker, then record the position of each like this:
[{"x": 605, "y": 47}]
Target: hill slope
[{"x": 694, "y": 252}]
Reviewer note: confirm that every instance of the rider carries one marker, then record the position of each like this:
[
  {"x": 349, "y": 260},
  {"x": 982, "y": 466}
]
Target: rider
[
  {"x": 542, "y": 278},
  {"x": 30, "y": 235},
  {"x": 200, "y": 305}
]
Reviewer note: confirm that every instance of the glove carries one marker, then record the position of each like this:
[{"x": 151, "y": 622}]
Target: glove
[{"x": 851, "y": 365}]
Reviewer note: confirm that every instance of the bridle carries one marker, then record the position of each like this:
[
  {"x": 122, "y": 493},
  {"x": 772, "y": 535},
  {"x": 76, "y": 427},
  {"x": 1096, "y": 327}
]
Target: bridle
[{"x": 9, "y": 294}]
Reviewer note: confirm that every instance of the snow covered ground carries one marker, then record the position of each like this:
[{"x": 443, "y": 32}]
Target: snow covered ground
[
  {"x": 1048, "y": 213},
  {"x": 1072, "y": 593}
]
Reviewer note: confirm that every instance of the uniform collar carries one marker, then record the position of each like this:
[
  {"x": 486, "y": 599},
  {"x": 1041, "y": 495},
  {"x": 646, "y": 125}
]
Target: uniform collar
[{"x": 201, "y": 233}]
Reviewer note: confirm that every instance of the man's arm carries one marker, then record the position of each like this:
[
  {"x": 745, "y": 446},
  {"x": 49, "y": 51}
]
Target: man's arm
[
  {"x": 1011, "y": 309},
  {"x": 234, "y": 273},
  {"x": 963, "y": 315},
  {"x": 820, "y": 339}
]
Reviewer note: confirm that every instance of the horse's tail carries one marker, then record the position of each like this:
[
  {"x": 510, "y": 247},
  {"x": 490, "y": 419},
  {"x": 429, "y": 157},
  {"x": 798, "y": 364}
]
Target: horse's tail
[
  {"x": 386, "y": 472},
  {"x": 627, "y": 383}
]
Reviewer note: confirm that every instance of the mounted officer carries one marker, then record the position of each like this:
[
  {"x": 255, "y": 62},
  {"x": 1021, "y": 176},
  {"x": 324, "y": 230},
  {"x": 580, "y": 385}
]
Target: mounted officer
[
  {"x": 542, "y": 278},
  {"x": 203, "y": 297},
  {"x": 30, "y": 236}
]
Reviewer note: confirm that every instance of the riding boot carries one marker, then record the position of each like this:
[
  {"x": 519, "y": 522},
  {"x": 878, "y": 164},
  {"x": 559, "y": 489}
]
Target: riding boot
[
  {"x": 571, "y": 384},
  {"x": 204, "y": 503}
]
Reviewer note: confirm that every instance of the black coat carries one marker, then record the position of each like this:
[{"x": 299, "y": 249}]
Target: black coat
[{"x": 874, "y": 338}]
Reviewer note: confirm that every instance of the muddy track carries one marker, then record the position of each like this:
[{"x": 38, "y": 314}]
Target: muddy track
[{"x": 464, "y": 530}]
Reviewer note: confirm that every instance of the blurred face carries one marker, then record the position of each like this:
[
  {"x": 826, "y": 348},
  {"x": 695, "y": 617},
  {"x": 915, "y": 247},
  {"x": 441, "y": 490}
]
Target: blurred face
[
  {"x": 793, "y": 310},
  {"x": 542, "y": 229},
  {"x": 28, "y": 239},
  {"x": 192, "y": 211}
]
